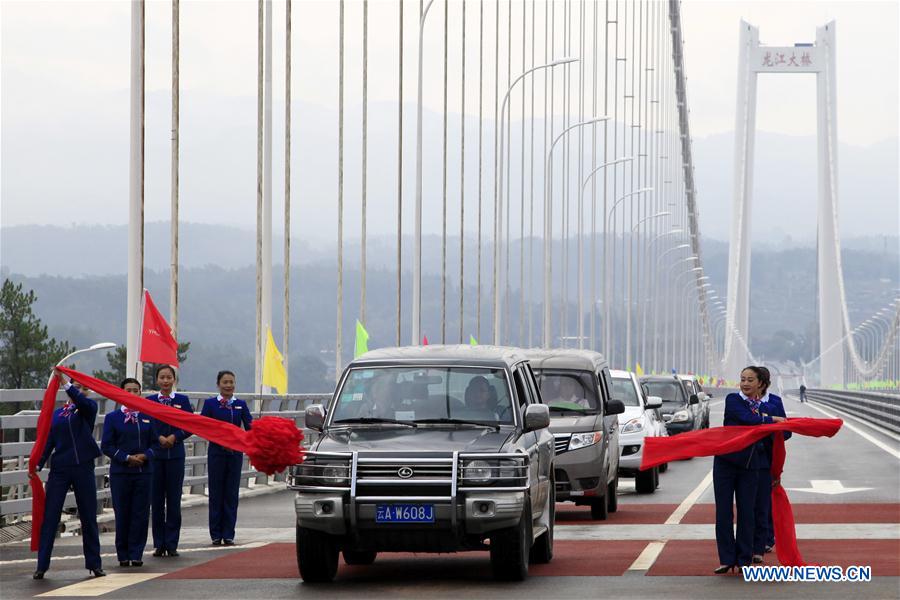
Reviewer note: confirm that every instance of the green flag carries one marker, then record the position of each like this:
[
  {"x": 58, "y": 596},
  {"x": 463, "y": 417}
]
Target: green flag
[
  {"x": 362, "y": 340},
  {"x": 472, "y": 340}
]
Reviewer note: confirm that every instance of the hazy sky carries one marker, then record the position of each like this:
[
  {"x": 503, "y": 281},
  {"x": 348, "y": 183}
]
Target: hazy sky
[{"x": 65, "y": 82}]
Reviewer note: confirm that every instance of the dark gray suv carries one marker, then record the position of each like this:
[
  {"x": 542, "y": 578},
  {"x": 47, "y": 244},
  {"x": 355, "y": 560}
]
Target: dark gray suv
[{"x": 428, "y": 449}]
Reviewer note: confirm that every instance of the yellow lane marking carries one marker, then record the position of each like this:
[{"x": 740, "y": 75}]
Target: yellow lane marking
[
  {"x": 97, "y": 586},
  {"x": 687, "y": 503},
  {"x": 647, "y": 557}
]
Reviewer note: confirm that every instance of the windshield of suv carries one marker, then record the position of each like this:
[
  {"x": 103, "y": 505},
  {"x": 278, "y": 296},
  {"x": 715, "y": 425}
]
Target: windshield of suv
[
  {"x": 417, "y": 394},
  {"x": 670, "y": 391},
  {"x": 568, "y": 390},
  {"x": 623, "y": 389}
]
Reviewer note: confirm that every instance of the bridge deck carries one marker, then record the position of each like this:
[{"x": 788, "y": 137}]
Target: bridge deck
[{"x": 654, "y": 544}]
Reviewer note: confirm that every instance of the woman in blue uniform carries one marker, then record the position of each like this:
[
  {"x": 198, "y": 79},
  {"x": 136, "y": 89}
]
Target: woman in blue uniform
[
  {"x": 127, "y": 436},
  {"x": 224, "y": 464},
  {"x": 168, "y": 467},
  {"x": 764, "y": 537},
  {"x": 71, "y": 449},
  {"x": 736, "y": 475}
]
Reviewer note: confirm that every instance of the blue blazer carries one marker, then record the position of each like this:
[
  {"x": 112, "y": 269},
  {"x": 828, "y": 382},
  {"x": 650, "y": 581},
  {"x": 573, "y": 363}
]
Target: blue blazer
[
  {"x": 121, "y": 439},
  {"x": 177, "y": 451},
  {"x": 238, "y": 414},
  {"x": 71, "y": 439},
  {"x": 738, "y": 412}
]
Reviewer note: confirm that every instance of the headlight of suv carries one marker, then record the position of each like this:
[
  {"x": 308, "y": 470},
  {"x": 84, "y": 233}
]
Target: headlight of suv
[
  {"x": 335, "y": 476},
  {"x": 583, "y": 440},
  {"x": 478, "y": 471},
  {"x": 633, "y": 426},
  {"x": 681, "y": 416}
]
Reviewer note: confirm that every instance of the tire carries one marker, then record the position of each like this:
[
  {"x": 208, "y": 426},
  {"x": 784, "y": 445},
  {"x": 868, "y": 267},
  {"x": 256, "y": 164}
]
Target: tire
[
  {"x": 510, "y": 549},
  {"x": 644, "y": 481},
  {"x": 542, "y": 550},
  {"x": 317, "y": 556},
  {"x": 359, "y": 557},
  {"x": 612, "y": 495},
  {"x": 663, "y": 467},
  {"x": 599, "y": 509}
]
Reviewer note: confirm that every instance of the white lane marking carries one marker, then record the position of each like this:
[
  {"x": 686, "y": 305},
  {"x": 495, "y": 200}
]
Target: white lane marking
[
  {"x": 892, "y": 451},
  {"x": 687, "y": 503},
  {"x": 20, "y": 561},
  {"x": 98, "y": 586},
  {"x": 830, "y": 487},
  {"x": 647, "y": 557},
  {"x": 652, "y": 551},
  {"x": 707, "y": 531}
]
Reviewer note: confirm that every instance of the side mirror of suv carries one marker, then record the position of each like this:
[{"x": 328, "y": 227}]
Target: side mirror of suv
[
  {"x": 703, "y": 396},
  {"x": 694, "y": 399},
  {"x": 537, "y": 416},
  {"x": 654, "y": 402},
  {"x": 315, "y": 417},
  {"x": 614, "y": 407}
]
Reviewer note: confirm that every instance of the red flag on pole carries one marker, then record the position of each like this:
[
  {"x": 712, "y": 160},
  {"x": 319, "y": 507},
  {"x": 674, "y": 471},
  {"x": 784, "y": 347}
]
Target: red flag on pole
[
  {"x": 158, "y": 345},
  {"x": 425, "y": 340}
]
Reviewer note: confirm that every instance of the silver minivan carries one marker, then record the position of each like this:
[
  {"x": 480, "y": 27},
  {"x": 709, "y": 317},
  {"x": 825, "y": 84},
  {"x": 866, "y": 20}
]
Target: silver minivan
[{"x": 577, "y": 387}]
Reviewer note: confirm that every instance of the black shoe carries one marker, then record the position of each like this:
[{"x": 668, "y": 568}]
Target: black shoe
[
  {"x": 228, "y": 542},
  {"x": 217, "y": 542},
  {"x": 159, "y": 552},
  {"x": 137, "y": 563},
  {"x": 124, "y": 563},
  {"x": 38, "y": 574},
  {"x": 98, "y": 572},
  {"x": 757, "y": 559},
  {"x": 722, "y": 569},
  {"x": 769, "y": 549},
  {"x": 172, "y": 552}
]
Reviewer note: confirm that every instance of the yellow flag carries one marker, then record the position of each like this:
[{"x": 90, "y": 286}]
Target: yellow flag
[
  {"x": 362, "y": 340},
  {"x": 639, "y": 370},
  {"x": 274, "y": 374}
]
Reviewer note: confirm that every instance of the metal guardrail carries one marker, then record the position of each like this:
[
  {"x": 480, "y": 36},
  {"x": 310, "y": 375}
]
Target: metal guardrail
[
  {"x": 16, "y": 430},
  {"x": 882, "y": 409}
]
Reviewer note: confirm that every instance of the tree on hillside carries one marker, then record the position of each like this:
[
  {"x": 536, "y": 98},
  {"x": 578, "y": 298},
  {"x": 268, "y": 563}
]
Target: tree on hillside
[
  {"x": 116, "y": 359},
  {"x": 27, "y": 353}
]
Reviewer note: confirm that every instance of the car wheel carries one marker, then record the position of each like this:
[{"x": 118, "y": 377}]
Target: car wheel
[
  {"x": 317, "y": 555},
  {"x": 612, "y": 495},
  {"x": 663, "y": 467},
  {"x": 644, "y": 482},
  {"x": 542, "y": 550},
  {"x": 599, "y": 509},
  {"x": 510, "y": 548},
  {"x": 359, "y": 557}
]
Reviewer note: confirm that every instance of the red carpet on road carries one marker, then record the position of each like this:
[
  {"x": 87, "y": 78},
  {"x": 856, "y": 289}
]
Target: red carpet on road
[
  {"x": 278, "y": 561},
  {"x": 628, "y": 514},
  {"x": 814, "y": 513},
  {"x": 699, "y": 557}
]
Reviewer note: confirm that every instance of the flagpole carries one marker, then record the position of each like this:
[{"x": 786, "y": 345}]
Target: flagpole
[{"x": 136, "y": 190}]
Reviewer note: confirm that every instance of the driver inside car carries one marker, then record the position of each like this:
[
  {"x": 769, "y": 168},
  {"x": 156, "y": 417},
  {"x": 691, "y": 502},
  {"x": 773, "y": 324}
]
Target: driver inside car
[
  {"x": 381, "y": 398},
  {"x": 569, "y": 390},
  {"x": 480, "y": 402}
]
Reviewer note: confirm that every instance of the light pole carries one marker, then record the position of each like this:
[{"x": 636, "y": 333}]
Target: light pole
[
  {"x": 498, "y": 229},
  {"x": 417, "y": 255},
  {"x": 548, "y": 224},
  {"x": 587, "y": 180},
  {"x": 674, "y": 302},
  {"x": 98, "y": 346},
  {"x": 657, "y": 301},
  {"x": 629, "y": 299},
  {"x": 607, "y": 282},
  {"x": 669, "y": 302},
  {"x": 686, "y": 314}
]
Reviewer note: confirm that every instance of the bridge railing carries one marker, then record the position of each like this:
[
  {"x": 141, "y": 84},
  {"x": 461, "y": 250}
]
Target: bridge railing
[
  {"x": 17, "y": 433},
  {"x": 879, "y": 408}
]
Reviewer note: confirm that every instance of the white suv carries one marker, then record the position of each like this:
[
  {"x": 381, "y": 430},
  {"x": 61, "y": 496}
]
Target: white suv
[{"x": 641, "y": 419}]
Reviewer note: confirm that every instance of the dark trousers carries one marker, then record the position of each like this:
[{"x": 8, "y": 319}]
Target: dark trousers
[
  {"x": 733, "y": 482},
  {"x": 81, "y": 479},
  {"x": 764, "y": 535},
  {"x": 168, "y": 479},
  {"x": 131, "y": 503},
  {"x": 224, "y": 481}
]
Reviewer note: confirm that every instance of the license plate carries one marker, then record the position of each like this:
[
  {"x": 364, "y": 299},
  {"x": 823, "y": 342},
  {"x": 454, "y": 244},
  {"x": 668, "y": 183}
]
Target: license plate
[{"x": 404, "y": 513}]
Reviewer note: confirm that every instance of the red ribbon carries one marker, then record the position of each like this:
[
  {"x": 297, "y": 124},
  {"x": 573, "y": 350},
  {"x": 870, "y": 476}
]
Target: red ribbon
[
  {"x": 722, "y": 440},
  {"x": 273, "y": 444}
]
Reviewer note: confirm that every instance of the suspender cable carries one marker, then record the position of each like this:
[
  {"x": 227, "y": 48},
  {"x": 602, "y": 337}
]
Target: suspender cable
[
  {"x": 257, "y": 384},
  {"x": 462, "y": 180},
  {"x": 286, "y": 325},
  {"x": 173, "y": 263},
  {"x": 365, "y": 147},
  {"x": 444, "y": 190},
  {"x": 480, "y": 163},
  {"x": 400, "y": 174},
  {"x": 340, "y": 231}
]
